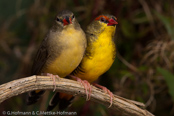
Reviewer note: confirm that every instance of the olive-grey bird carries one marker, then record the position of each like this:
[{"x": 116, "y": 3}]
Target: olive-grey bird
[{"x": 60, "y": 52}]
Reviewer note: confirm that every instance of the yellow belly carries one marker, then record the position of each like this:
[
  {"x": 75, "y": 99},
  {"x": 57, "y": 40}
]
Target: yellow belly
[
  {"x": 102, "y": 57},
  {"x": 96, "y": 66}
]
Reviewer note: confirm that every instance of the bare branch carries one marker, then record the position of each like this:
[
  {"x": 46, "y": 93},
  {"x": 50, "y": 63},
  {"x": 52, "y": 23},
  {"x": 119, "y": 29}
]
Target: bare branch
[{"x": 16, "y": 87}]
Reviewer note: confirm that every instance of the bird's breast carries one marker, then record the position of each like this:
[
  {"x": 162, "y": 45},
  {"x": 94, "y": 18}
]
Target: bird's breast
[
  {"x": 102, "y": 53},
  {"x": 72, "y": 49}
]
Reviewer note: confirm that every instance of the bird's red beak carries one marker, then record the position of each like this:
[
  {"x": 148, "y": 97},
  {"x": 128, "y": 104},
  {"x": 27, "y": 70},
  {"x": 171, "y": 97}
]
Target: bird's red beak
[
  {"x": 112, "y": 22},
  {"x": 66, "y": 21}
]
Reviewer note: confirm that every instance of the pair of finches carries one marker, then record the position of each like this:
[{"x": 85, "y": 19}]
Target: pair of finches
[{"x": 67, "y": 50}]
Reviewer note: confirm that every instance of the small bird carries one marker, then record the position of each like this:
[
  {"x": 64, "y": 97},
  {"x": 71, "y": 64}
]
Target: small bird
[
  {"x": 99, "y": 55},
  {"x": 60, "y": 52},
  {"x": 100, "y": 52}
]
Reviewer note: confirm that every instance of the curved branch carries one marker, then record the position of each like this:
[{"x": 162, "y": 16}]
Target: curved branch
[{"x": 16, "y": 87}]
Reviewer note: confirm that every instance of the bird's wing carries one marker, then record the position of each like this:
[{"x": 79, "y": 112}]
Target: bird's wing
[
  {"x": 39, "y": 62},
  {"x": 40, "y": 58}
]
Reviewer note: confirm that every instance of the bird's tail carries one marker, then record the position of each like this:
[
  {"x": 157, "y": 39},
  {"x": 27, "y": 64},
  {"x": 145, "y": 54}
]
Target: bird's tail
[
  {"x": 34, "y": 96},
  {"x": 62, "y": 99}
]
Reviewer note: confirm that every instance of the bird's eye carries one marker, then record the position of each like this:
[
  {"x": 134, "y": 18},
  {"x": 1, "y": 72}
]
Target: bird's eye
[
  {"x": 102, "y": 19},
  {"x": 58, "y": 19},
  {"x": 73, "y": 16}
]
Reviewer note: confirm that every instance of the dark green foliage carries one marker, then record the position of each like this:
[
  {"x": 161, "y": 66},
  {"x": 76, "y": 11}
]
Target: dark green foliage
[{"x": 169, "y": 78}]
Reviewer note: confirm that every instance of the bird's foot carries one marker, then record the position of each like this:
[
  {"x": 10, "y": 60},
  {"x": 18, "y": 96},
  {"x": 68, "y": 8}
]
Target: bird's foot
[
  {"x": 106, "y": 91},
  {"x": 52, "y": 77},
  {"x": 86, "y": 85}
]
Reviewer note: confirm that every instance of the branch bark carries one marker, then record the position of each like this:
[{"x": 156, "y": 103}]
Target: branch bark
[{"x": 16, "y": 87}]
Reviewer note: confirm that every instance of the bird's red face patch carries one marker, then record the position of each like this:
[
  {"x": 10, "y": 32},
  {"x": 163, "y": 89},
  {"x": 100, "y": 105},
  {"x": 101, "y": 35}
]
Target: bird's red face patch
[
  {"x": 70, "y": 20},
  {"x": 99, "y": 17}
]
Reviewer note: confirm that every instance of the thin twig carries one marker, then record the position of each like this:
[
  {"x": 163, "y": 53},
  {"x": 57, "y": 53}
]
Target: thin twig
[{"x": 133, "y": 68}]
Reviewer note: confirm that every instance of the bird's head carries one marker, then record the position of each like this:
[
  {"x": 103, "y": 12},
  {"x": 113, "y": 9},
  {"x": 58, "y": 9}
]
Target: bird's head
[
  {"x": 108, "y": 20},
  {"x": 106, "y": 23},
  {"x": 65, "y": 18}
]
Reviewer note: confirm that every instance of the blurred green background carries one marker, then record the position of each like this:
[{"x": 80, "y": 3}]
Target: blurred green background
[{"x": 144, "y": 67}]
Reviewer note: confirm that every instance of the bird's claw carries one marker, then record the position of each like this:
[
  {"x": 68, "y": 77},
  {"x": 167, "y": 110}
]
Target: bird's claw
[
  {"x": 106, "y": 91},
  {"x": 86, "y": 85},
  {"x": 53, "y": 78}
]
